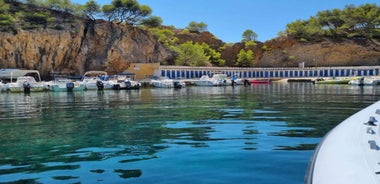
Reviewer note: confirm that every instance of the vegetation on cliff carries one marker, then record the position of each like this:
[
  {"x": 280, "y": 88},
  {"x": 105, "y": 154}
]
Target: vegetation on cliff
[
  {"x": 357, "y": 27},
  {"x": 362, "y": 21}
]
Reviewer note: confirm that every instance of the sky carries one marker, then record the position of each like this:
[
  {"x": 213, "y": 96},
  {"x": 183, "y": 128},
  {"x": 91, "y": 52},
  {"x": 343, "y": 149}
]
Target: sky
[{"x": 228, "y": 19}]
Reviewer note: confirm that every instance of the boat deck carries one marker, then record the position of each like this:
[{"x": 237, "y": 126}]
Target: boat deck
[{"x": 350, "y": 153}]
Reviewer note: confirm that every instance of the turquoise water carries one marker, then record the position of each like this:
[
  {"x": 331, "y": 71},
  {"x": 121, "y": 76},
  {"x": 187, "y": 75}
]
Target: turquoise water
[{"x": 257, "y": 134}]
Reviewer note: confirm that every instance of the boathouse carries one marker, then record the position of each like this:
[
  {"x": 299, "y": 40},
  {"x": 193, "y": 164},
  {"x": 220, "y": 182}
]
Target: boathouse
[{"x": 186, "y": 72}]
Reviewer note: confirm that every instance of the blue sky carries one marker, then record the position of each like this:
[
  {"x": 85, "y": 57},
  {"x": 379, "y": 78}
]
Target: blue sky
[{"x": 228, "y": 19}]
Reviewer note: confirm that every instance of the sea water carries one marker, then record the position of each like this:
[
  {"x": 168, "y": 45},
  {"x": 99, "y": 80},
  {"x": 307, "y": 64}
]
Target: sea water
[{"x": 255, "y": 134}]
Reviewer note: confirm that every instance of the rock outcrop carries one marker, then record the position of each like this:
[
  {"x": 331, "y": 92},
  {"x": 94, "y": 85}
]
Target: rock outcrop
[{"x": 94, "y": 45}]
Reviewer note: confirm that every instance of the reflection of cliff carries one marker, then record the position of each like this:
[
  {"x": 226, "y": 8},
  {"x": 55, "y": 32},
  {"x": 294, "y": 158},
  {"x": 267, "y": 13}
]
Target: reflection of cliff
[{"x": 91, "y": 46}]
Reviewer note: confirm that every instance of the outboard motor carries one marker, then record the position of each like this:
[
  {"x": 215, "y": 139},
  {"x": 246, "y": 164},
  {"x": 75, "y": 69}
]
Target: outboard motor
[
  {"x": 361, "y": 81},
  {"x": 26, "y": 87},
  {"x": 70, "y": 86},
  {"x": 177, "y": 84},
  {"x": 116, "y": 87},
  {"x": 128, "y": 84},
  {"x": 100, "y": 85},
  {"x": 246, "y": 83}
]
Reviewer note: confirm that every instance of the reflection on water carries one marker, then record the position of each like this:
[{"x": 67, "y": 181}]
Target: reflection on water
[{"x": 262, "y": 133}]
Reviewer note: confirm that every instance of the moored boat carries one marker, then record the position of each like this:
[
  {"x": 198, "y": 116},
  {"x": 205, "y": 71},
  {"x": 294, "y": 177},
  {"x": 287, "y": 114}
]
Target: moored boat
[
  {"x": 97, "y": 80},
  {"x": 215, "y": 80},
  {"x": 22, "y": 80},
  {"x": 66, "y": 85},
  {"x": 205, "y": 80},
  {"x": 260, "y": 81},
  {"x": 332, "y": 81},
  {"x": 131, "y": 84},
  {"x": 125, "y": 82},
  {"x": 364, "y": 81},
  {"x": 165, "y": 82},
  {"x": 349, "y": 153},
  {"x": 25, "y": 84},
  {"x": 236, "y": 81}
]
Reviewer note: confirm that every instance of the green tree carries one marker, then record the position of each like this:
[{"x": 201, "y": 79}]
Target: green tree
[
  {"x": 249, "y": 35},
  {"x": 245, "y": 58},
  {"x": 91, "y": 8},
  {"x": 331, "y": 22},
  {"x": 214, "y": 56},
  {"x": 313, "y": 29},
  {"x": 353, "y": 21},
  {"x": 362, "y": 21},
  {"x": 296, "y": 29},
  {"x": 34, "y": 20},
  {"x": 190, "y": 54},
  {"x": 54, "y": 4},
  {"x": 4, "y": 7},
  {"x": 250, "y": 43},
  {"x": 153, "y": 21},
  {"x": 6, "y": 19},
  {"x": 128, "y": 11},
  {"x": 165, "y": 36},
  {"x": 197, "y": 26}
]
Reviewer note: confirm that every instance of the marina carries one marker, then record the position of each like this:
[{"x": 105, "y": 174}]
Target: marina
[
  {"x": 254, "y": 134},
  {"x": 180, "y": 76}
]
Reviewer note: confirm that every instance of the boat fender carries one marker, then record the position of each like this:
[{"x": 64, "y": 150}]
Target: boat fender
[
  {"x": 70, "y": 86},
  {"x": 100, "y": 85},
  {"x": 26, "y": 87}
]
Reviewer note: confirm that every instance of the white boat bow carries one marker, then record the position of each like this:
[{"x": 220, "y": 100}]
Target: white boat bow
[{"x": 349, "y": 153}]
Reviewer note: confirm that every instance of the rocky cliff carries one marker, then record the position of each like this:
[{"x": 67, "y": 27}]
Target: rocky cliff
[{"x": 78, "y": 48}]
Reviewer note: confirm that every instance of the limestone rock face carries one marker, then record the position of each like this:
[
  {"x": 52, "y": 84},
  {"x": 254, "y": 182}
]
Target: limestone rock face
[{"x": 93, "y": 45}]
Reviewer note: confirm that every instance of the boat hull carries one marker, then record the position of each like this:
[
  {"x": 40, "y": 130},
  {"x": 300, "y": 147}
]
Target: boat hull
[
  {"x": 20, "y": 89},
  {"x": 260, "y": 81},
  {"x": 349, "y": 153},
  {"x": 64, "y": 88}
]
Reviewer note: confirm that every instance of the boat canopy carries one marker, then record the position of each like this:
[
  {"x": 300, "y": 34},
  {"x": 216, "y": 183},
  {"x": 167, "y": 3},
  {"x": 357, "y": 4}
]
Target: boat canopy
[{"x": 10, "y": 74}]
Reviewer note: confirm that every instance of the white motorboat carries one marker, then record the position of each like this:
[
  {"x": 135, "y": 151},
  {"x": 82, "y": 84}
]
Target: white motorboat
[
  {"x": 63, "y": 84},
  {"x": 22, "y": 80},
  {"x": 205, "y": 80},
  {"x": 125, "y": 82},
  {"x": 131, "y": 84},
  {"x": 165, "y": 82},
  {"x": 364, "y": 81},
  {"x": 97, "y": 80},
  {"x": 236, "y": 81},
  {"x": 25, "y": 84},
  {"x": 349, "y": 153},
  {"x": 215, "y": 80}
]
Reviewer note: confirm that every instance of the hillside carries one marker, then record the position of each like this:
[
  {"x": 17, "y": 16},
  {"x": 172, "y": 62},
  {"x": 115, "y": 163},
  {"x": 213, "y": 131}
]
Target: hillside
[{"x": 71, "y": 44}]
